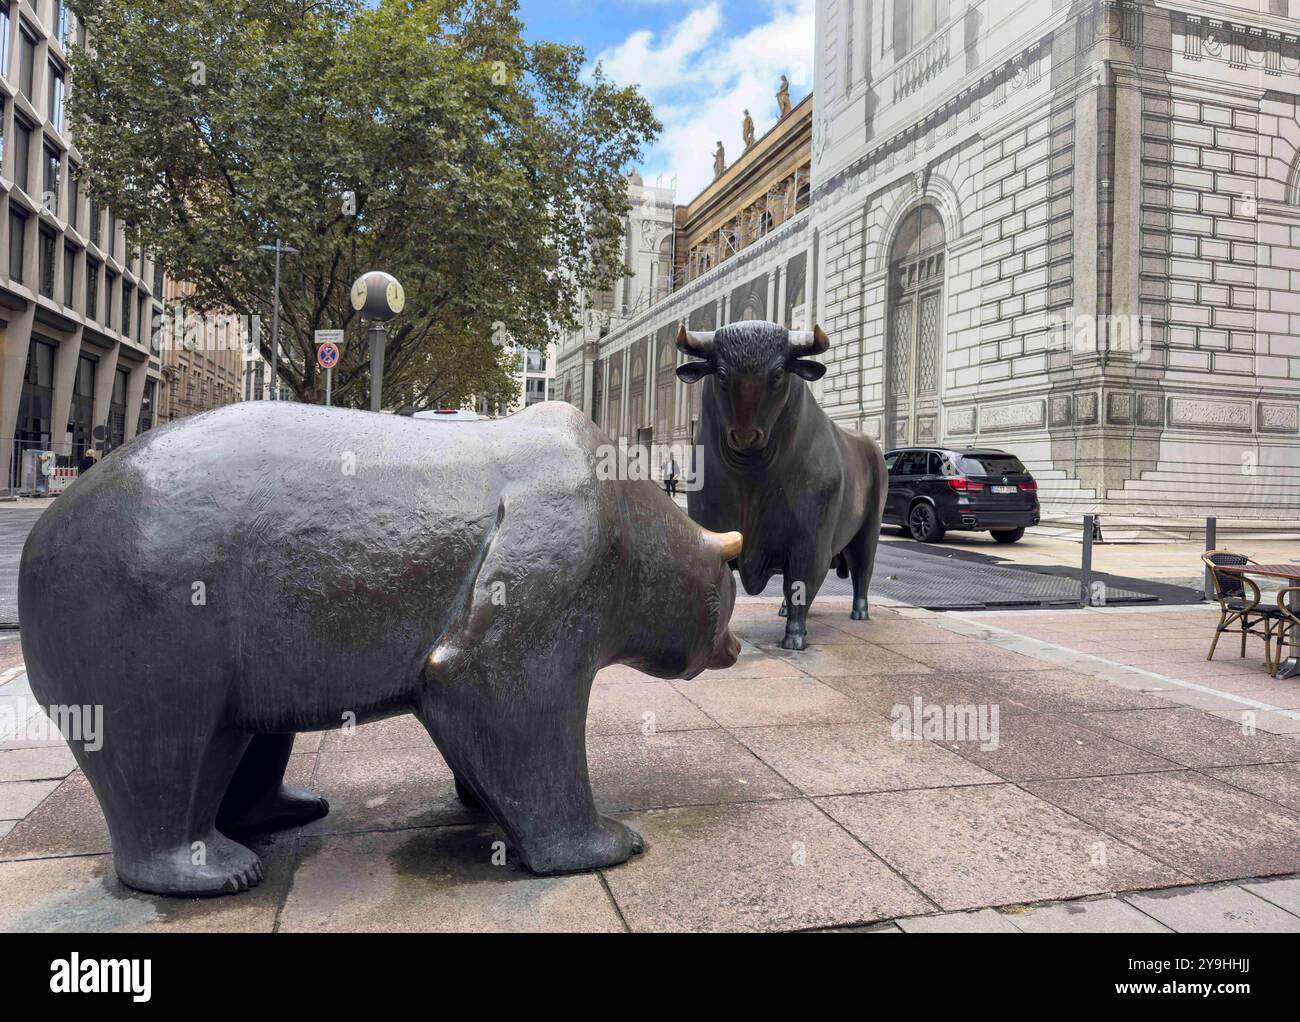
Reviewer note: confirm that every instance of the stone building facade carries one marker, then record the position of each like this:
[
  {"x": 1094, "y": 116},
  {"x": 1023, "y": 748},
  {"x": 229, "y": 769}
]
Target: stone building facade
[
  {"x": 202, "y": 358},
  {"x": 1065, "y": 229},
  {"x": 1068, "y": 228}
]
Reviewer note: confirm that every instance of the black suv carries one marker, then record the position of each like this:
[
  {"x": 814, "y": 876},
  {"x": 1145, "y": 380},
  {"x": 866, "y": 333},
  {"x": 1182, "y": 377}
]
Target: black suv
[{"x": 975, "y": 489}]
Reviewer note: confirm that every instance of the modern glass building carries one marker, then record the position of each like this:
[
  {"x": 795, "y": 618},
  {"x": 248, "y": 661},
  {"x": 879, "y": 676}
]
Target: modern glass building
[{"x": 78, "y": 295}]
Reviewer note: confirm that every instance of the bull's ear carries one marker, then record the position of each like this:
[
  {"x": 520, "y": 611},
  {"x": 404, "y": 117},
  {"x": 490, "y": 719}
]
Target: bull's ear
[
  {"x": 693, "y": 372},
  {"x": 808, "y": 369}
]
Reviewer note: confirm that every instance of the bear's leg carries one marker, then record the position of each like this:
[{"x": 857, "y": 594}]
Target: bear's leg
[
  {"x": 520, "y": 746},
  {"x": 160, "y": 791},
  {"x": 258, "y": 799}
]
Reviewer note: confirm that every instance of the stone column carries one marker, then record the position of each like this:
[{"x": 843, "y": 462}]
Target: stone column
[
  {"x": 15, "y": 337},
  {"x": 66, "y": 358}
]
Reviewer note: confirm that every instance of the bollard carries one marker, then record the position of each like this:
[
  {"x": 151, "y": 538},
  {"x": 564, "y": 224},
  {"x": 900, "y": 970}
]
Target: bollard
[
  {"x": 1086, "y": 574},
  {"x": 1211, "y": 528}
]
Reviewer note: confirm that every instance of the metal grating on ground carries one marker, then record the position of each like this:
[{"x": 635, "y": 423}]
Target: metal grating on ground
[{"x": 937, "y": 582}]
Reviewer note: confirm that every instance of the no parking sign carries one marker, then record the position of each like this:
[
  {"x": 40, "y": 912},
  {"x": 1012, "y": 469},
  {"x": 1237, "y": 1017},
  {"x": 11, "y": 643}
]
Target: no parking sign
[{"x": 327, "y": 354}]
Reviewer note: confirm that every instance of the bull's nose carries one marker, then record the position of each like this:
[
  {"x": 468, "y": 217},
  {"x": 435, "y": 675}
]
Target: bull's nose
[{"x": 743, "y": 439}]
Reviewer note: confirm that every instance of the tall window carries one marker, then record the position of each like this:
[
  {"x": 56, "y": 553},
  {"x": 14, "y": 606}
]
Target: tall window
[
  {"x": 69, "y": 274},
  {"x": 74, "y": 196},
  {"x": 110, "y": 289},
  {"x": 47, "y": 249},
  {"x": 62, "y": 19},
  {"x": 110, "y": 243},
  {"x": 914, "y": 20},
  {"x": 157, "y": 280},
  {"x": 26, "y": 62},
  {"x": 2, "y": 129},
  {"x": 915, "y": 345},
  {"x": 22, "y": 153},
  {"x": 53, "y": 168},
  {"x": 4, "y": 38},
  {"x": 56, "y": 95},
  {"x": 92, "y": 288},
  {"x": 96, "y": 218},
  {"x": 83, "y": 404},
  {"x": 126, "y": 309},
  {"x": 117, "y": 409},
  {"x": 147, "y": 406},
  {"x": 17, "y": 242}
]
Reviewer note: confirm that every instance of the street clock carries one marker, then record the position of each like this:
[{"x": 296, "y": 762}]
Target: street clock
[{"x": 378, "y": 296}]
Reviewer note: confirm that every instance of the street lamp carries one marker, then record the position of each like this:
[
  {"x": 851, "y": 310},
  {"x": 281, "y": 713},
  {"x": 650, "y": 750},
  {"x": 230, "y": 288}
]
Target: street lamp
[
  {"x": 278, "y": 248},
  {"x": 378, "y": 297}
]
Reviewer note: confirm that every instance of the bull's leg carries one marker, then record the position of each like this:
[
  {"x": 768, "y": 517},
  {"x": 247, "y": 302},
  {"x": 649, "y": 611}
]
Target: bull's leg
[
  {"x": 518, "y": 745},
  {"x": 861, "y": 556},
  {"x": 160, "y": 798},
  {"x": 801, "y": 582},
  {"x": 258, "y": 799}
]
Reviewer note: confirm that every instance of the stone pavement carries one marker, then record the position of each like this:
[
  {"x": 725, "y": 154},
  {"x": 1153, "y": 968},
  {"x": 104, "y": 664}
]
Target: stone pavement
[{"x": 1067, "y": 770}]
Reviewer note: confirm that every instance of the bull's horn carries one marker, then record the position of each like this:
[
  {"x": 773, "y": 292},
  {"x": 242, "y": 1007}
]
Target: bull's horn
[
  {"x": 728, "y": 544},
  {"x": 698, "y": 343},
  {"x": 808, "y": 342}
]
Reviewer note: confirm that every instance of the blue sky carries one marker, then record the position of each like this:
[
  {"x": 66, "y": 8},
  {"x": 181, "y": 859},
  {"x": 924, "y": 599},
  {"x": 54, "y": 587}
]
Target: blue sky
[{"x": 700, "y": 62}]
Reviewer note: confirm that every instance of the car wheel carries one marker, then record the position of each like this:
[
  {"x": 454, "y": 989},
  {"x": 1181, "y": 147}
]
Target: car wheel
[
  {"x": 923, "y": 523},
  {"x": 1007, "y": 535}
]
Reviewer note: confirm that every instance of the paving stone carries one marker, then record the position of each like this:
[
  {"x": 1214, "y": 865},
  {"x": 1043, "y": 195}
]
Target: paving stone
[
  {"x": 833, "y": 759},
  {"x": 438, "y": 879},
  {"x": 991, "y": 845},
  {"x": 973, "y": 656},
  {"x": 879, "y": 630},
  {"x": 5, "y": 827},
  {"x": 81, "y": 894},
  {"x": 984, "y": 920},
  {"x": 38, "y": 764},
  {"x": 18, "y": 798},
  {"x": 400, "y": 732},
  {"x": 1093, "y": 915},
  {"x": 1190, "y": 737},
  {"x": 884, "y": 693},
  {"x": 619, "y": 674},
  {"x": 1277, "y": 782},
  {"x": 1061, "y": 691},
  {"x": 823, "y": 661},
  {"x": 69, "y": 821},
  {"x": 1284, "y": 892},
  {"x": 768, "y": 631},
  {"x": 758, "y": 701},
  {"x": 1227, "y": 909},
  {"x": 757, "y": 866},
  {"x": 1032, "y": 747},
  {"x": 1264, "y": 720},
  {"x": 678, "y": 768},
  {"x": 1196, "y": 824},
  {"x": 753, "y": 663},
  {"x": 637, "y": 707}
]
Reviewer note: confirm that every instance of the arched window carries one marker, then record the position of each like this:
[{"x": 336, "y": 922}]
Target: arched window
[{"x": 914, "y": 347}]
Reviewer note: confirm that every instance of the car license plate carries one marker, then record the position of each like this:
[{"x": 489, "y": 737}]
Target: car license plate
[{"x": 1003, "y": 489}]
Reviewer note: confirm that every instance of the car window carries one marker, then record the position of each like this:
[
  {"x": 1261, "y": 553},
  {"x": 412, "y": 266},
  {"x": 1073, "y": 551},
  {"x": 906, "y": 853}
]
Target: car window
[
  {"x": 989, "y": 464},
  {"x": 912, "y": 464},
  {"x": 891, "y": 459},
  {"x": 935, "y": 466}
]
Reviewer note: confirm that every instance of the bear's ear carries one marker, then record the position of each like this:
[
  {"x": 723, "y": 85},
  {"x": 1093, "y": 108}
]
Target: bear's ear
[
  {"x": 693, "y": 372},
  {"x": 808, "y": 369}
]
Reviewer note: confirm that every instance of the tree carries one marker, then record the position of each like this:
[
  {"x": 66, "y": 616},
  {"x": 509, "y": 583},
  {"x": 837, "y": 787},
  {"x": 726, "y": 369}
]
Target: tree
[{"x": 424, "y": 138}]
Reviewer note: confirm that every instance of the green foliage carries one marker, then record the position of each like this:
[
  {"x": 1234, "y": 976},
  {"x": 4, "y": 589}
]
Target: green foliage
[{"x": 485, "y": 172}]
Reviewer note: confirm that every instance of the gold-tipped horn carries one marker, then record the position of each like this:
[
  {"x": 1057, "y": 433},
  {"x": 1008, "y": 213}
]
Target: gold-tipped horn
[
  {"x": 809, "y": 342},
  {"x": 728, "y": 544},
  {"x": 697, "y": 343}
]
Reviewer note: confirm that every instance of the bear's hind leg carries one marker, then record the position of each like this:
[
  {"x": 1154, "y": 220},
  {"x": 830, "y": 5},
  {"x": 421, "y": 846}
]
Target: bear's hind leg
[
  {"x": 258, "y": 799},
  {"x": 528, "y": 765},
  {"x": 160, "y": 799}
]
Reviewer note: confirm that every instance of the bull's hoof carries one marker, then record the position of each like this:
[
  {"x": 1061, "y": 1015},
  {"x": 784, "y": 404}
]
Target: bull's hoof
[
  {"x": 859, "y": 615},
  {"x": 216, "y": 865},
  {"x": 607, "y": 844},
  {"x": 794, "y": 642},
  {"x": 289, "y": 807}
]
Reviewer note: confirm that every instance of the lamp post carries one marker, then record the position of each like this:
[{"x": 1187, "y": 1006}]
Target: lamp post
[
  {"x": 378, "y": 297},
  {"x": 278, "y": 248}
]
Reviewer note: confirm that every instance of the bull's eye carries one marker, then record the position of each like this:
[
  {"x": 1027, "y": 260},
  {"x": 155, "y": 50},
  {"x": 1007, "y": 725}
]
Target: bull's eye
[{"x": 722, "y": 377}]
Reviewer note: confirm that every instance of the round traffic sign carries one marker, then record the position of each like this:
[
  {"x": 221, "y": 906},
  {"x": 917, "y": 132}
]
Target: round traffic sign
[{"x": 327, "y": 355}]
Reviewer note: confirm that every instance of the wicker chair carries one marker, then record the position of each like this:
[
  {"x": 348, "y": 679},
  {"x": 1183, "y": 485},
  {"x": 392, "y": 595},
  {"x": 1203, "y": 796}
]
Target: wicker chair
[
  {"x": 1238, "y": 607},
  {"x": 1286, "y": 623}
]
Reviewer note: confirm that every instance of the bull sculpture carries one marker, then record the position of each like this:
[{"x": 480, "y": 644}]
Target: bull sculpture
[
  {"x": 806, "y": 494},
  {"x": 267, "y": 568}
]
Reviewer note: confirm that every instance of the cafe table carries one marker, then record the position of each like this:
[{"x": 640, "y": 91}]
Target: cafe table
[{"x": 1290, "y": 573}]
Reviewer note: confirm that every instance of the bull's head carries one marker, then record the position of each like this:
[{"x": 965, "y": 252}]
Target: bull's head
[{"x": 753, "y": 365}]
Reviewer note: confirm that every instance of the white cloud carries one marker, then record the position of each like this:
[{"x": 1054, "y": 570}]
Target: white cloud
[{"x": 701, "y": 79}]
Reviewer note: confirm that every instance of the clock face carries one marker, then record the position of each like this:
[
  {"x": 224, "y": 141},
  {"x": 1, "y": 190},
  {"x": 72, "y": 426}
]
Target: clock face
[
  {"x": 396, "y": 297},
  {"x": 359, "y": 294}
]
